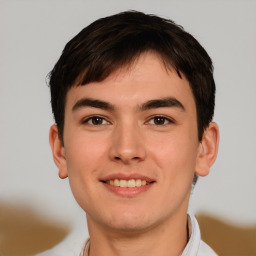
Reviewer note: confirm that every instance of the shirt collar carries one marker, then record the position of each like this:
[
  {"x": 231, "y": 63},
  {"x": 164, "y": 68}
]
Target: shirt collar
[{"x": 193, "y": 244}]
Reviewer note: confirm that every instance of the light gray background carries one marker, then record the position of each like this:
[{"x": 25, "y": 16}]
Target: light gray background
[{"x": 32, "y": 36}]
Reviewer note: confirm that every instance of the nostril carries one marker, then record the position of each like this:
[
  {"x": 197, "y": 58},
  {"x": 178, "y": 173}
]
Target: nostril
[{"x": 126, "y": 158}]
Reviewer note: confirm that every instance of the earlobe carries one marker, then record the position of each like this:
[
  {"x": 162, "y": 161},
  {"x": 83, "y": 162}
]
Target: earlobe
[
  {"x": 208, "y": 150},
  {"x": 58, "y": 151}
]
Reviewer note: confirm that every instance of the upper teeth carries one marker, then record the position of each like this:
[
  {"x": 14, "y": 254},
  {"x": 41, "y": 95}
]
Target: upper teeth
[{"x": 127, "y": 183}]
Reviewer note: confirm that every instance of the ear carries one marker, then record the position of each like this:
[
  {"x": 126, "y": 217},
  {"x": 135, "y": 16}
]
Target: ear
[
  {"x": 58, "y": 151},
  {"x": 208, "y": 150}
]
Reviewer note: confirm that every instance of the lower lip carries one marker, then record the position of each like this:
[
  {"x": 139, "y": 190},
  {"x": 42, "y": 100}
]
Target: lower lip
[{"x": 128, "y": 192}]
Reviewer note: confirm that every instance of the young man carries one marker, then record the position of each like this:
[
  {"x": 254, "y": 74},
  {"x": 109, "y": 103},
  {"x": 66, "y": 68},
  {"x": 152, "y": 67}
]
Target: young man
[{"x": 133, "y": 100}]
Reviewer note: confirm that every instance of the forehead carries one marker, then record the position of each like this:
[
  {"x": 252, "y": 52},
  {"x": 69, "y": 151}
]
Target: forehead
[{"x": 145, "y": 79}]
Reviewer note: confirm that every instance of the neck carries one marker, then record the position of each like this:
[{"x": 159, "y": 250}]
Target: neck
[{"x": 168, "y": 238}]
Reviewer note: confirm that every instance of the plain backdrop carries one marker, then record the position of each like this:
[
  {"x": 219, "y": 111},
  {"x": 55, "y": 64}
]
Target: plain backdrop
[{"x": 32, "y": 36}]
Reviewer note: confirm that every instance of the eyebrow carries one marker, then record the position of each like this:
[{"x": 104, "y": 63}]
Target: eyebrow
[
  {"x": 87, "y": 102},
  {"x": 151, "y": 104},
  {"x": 162, "y": 103}
]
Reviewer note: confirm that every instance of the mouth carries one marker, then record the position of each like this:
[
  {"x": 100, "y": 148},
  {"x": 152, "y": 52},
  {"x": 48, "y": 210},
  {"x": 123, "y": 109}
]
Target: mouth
[
  {"x": 131, "y": 183},
  {"x": 128, "y": 186}
]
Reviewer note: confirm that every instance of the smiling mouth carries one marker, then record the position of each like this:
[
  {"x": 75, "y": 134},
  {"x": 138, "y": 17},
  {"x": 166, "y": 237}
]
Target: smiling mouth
[{"x": 132, "y": 183}]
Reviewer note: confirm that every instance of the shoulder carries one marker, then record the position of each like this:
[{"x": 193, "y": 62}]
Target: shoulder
[{"x": 205, "y": 250}]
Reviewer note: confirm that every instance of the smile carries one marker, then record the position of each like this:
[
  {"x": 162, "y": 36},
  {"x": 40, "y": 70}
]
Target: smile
[
  {"x": 127, "y": 185},
  {"x": 132, "y": 183}
]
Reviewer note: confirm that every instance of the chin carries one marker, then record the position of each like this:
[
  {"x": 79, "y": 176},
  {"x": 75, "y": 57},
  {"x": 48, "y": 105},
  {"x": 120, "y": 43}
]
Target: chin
[
  {"x": 130, "y": 226},
  {"x": 130, "y": 222}
]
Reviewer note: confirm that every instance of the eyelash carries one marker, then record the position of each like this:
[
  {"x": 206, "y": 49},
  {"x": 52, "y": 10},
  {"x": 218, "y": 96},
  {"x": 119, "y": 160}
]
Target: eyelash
[{"x": 90, "y": 120}]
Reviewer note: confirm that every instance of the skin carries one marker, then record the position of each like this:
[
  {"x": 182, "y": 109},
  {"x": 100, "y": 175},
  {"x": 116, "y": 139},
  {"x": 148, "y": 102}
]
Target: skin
[{"x": 130, "y": 139}]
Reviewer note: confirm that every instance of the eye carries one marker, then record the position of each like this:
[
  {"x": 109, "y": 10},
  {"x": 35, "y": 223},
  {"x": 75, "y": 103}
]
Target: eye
[
  {"x": 160, "y": 120},
  {"x": 95, "y": 120}
]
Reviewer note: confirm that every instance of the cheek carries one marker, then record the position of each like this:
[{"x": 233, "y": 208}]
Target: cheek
[
  {"x": 83, "y": 156},
  {"x": 83, "y": 153},
  {"x": 175, "y": 155}
]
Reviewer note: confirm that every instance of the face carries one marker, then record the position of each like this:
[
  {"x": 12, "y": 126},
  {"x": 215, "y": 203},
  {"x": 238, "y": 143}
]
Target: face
[{"x": 131, "y": 146}]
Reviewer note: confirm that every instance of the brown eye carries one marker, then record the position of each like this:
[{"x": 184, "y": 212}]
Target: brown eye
[
  {"x": 96, "y": 120},
  {"x": 160, "y": 120}
]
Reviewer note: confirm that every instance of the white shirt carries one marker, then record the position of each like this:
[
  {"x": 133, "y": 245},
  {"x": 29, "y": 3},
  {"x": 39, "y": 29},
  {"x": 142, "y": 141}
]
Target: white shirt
[{"x": 194, "y": 247}]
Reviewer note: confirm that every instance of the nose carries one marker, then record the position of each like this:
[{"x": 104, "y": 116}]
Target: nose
[{"x": 127, "y": 144}]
